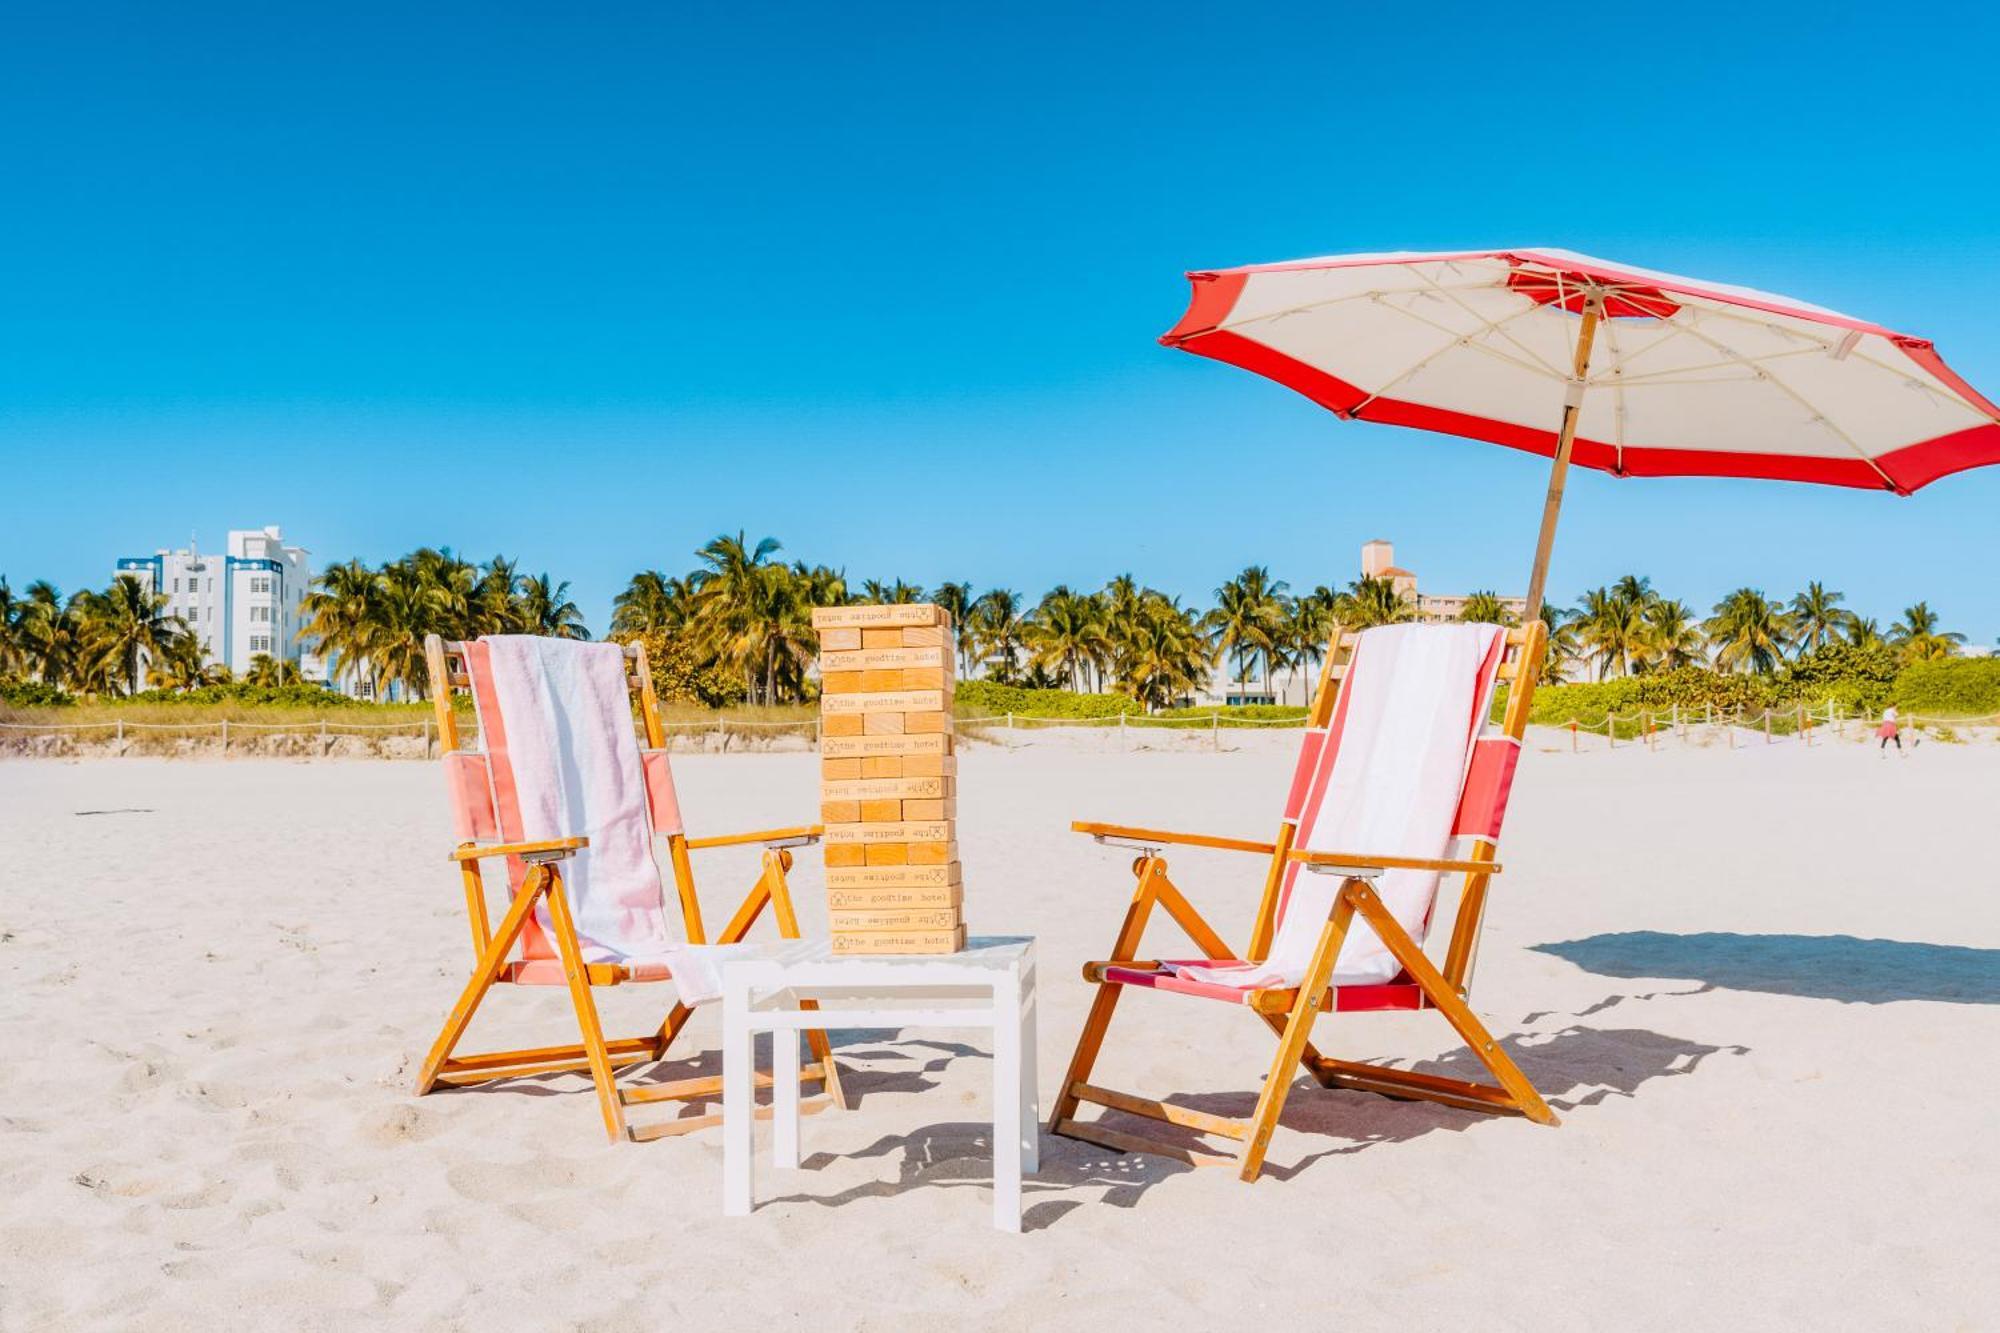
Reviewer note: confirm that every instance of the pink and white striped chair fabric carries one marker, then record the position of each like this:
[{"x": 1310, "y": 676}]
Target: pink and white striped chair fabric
[
  {"x": 559, "y": 758},
  {"x": 1407, "y": 765}
]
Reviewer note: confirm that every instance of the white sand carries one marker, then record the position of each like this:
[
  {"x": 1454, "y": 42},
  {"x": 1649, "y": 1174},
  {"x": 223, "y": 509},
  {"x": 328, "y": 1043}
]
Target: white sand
[{"x": 216, "y": 978}]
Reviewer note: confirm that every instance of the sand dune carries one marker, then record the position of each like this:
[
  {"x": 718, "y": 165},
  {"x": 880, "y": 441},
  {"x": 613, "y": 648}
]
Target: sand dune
[{"x": 1762, "y": 988}]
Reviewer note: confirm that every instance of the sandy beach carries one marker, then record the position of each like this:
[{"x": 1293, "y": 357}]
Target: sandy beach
[{"x": 1761, "y": 988}]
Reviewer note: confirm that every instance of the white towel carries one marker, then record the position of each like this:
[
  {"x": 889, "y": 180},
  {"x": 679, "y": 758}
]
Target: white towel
[
  {"x": 1389, "y": 783},
  {"x": 576, "y": 768}
]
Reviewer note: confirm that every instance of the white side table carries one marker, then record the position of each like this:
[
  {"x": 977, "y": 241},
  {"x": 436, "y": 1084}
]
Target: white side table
[{"x": 760, "y": 993}]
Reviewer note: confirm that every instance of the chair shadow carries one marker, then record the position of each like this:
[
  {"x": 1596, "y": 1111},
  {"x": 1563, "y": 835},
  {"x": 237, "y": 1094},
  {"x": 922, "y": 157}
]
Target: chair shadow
[
  {"x": 1576, "y": 1067},
  {"x": 1820, "y": 967}
]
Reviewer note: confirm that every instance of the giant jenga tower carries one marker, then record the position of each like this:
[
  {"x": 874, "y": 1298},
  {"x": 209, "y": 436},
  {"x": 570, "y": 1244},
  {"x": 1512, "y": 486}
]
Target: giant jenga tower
[{"x": 888, "y": 779}]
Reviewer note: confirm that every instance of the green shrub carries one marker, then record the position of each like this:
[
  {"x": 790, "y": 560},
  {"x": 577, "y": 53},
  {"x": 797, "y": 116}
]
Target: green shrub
[
  {"x": 977, "y": 698},
  {"x": 32, "y": 694},
  {"x": 295, "y": 695},
  {"x": 1954, "y": 687},
  {"x": 1243, "y": 712}
]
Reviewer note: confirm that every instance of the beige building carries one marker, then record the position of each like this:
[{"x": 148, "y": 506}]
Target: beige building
[{"x": 1378, "y": 561}]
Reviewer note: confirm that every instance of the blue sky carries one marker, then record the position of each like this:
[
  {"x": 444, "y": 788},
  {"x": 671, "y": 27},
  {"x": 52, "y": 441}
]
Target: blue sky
[{"x": 884, "y": 281}]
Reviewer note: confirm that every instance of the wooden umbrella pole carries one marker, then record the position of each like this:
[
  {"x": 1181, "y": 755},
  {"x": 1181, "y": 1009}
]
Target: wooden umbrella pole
[{"x": 1593, "y": 310}]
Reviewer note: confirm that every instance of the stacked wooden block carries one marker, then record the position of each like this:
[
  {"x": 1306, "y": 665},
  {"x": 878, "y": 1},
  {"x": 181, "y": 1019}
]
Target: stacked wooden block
[{"x": 888, "y": 779}]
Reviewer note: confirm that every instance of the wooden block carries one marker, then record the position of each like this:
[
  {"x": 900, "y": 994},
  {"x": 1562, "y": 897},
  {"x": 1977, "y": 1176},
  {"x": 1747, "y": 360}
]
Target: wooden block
[
  {"x": 840, "y": 770},
  {"x": 839, "y": 640},
  {"x": 889, "y": 853},
  {"x": 922, "y": 810},
  {"x": 923, "y": 678},
  {"x": 882, "y": 766},
  {"x": 934, "y": 721},
  {"x": 899, "y": 941},
  {"x": 903, "y": 830},
  {"x": 887, "y": 811},
  {"x": 932, "y": 853},
  {"x": 841, "y": 744},
  {"x": 856, "y": 854},
  {"x": 895, "y": 918},
  {"x": 848, "y": 724},
  {"x": 876, "y": 659},
  {"x": 840, "y": 812},
  {"x": 888, "y": 900},
  {"x": 885, "y": 701},
  {"x": 929, "y": 765},
  {"x": 881, "y": 638},
  {"x": 882, "y": 789},
  {"x": 915, "y": 636},
  {"x": 841, "y": 682},
  {"x": 889, "y": 679},
  {"x": 893, "y": 877},
  {"x": 880, "y": 724},
  {"x": 877, "y": 615}
]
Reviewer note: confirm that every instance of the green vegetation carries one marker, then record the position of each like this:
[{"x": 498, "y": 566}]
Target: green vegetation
[
  {"x": 1960, "y": 687},
  {"x": 984, "y": 698}
]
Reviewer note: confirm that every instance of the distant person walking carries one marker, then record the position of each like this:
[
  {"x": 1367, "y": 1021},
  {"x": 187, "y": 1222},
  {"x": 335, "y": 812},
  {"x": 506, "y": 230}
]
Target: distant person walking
[{"x": 1890, "y": 730}]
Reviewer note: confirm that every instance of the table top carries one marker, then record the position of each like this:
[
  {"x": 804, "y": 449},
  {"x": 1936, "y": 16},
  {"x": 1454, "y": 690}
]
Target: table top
[{"x": 794, "y": 959}]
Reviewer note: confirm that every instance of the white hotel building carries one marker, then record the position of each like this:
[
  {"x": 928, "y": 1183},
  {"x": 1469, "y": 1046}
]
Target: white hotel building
[{"x": 241, "y": 605}]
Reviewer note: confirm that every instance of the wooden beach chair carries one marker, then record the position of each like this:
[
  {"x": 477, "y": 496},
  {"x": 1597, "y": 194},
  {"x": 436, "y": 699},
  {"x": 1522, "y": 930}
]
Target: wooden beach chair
[
  {"x": 1379, "y": 966},
  {"x": 537, "y": 941}
]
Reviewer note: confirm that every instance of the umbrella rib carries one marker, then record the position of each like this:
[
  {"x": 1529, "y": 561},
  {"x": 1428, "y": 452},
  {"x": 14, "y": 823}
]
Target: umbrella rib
[
  {"x": 1817, "y": 415},
  {"x": 1662, "y": 376},
  {"x": 1492, "y": 327},
  {"x": 1302, "y": 308},
  {"x": 1461, "y": 340},
  {"x": 1617, "y": 392}
]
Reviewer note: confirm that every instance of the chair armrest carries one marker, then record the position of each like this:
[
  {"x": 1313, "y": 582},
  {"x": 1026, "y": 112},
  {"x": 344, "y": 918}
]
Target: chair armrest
[
  {"x": 1153, "y": 837},
  {"x": 554, "y": 849},
  {"x": 798, "y": 836},
  {"x": 1335, "y": 862}
]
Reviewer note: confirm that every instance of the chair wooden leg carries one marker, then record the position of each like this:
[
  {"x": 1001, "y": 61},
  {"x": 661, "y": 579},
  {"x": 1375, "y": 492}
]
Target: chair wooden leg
[
  {"x": 1292, "y": 1043},
  {"x": 586, "y": 1010},
  {"x": 491, "y": 961},
  {"x": 1149, "y": 870},
  {"x": 776, "y": 863},
  {"x": 1449, "y": 1003}
]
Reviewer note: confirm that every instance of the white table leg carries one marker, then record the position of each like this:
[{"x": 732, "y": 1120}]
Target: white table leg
[
  {"x": 1007, "y": 1126},
  {"x": 739, "y": 1108},
  {"x": 1031, "y": 1098},
  {"x": 785, "y": 1091}
]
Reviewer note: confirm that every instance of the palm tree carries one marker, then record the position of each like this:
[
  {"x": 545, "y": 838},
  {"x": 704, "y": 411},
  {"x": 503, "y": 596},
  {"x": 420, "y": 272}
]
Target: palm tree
[
  {"x": 496, "y": 599},
  {"x": 996, "y": 632},
  {"x": 1485, "y": 608},
  {"x": 1611, "y": 624},
  {"x": 407, "y": 605},
  {"x": 545, "y": 609},
  {"x": 125, "y": 624},
  {"x": 45, "y": 627},
  {"x": 1369, "y": 602},
  {"x": 12, "y": 654},
  {"x": 1309, "y": 629},
  {"x": 1067, "y": 629},
  {"x": 1918, "y": 637},
  {"x": 1749, "y": 632},
  {"x": 1248, "y": 621},
  {"x": 339, "y": 615},
  {"x": 1865, "y": 632},
  {"x": 651, "y": 604},
  {"x": 727, "y": 597},
  {"x": 1673, "y": 639},
  {"x": 268, "y": 670},
  {"x": 1817, "y": 617},
  {"x": 956, "y": 600},
  {"x": 1162, "y": 652},
  {"x": 182, "y": 665},
  {"x": 898, "y": 593},
  {"x": 1565, "y": 645}
]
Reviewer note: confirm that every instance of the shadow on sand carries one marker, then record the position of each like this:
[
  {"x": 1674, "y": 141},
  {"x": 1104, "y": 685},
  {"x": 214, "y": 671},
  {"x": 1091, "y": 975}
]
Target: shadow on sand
[{"x": 1820, "y": 967}]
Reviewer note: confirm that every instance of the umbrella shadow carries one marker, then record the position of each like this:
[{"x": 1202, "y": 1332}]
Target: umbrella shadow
[{"x": 1819, "y": 967}]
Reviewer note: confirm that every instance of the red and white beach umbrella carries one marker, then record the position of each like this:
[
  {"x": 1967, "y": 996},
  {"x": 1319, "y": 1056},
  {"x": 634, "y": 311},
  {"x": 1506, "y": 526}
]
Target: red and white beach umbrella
[{"x": 1618, "y": 368}]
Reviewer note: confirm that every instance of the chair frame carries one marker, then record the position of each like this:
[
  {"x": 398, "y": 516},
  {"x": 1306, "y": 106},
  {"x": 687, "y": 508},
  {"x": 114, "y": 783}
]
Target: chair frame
[
  {"x": 1289, "y": 1012},
  {"x": 542, "y": 882}
]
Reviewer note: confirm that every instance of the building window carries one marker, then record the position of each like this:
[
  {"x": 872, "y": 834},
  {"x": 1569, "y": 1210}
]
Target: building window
[
  {"x": 260, "y": 643},
  {"x": 260, "y": 613},
  {"x": 260, "y": 585}
]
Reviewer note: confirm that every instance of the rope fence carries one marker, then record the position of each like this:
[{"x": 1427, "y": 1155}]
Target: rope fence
[{"x": 1798, "y": 723}]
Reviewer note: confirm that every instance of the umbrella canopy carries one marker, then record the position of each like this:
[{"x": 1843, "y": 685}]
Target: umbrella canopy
[{"x": 1622, "y": 369}]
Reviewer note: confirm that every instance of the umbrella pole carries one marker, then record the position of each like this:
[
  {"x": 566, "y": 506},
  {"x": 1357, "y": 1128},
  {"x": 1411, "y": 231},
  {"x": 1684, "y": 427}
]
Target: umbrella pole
[{"x": 1593, "y": 310}]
